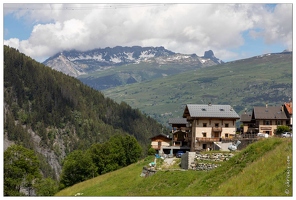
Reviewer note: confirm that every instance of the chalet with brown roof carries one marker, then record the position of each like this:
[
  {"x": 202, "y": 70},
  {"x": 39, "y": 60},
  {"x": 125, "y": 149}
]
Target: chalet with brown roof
[
  {"x": 159, "y": 141},
  {"x": 264, "y": 119}
]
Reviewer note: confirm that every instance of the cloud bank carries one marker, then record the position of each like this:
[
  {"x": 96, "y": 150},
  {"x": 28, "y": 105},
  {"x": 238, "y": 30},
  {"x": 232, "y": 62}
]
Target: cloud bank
[{"x": 182, "y": 28}]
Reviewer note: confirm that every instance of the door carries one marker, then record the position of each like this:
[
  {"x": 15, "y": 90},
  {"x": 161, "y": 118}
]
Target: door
[{"x": 204, "y": 146}]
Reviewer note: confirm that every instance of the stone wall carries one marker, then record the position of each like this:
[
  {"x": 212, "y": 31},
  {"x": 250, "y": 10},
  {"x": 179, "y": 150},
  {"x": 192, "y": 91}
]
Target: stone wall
[
  {"x": 203, "y": 162},
  {"x": 217, "y": 157}
]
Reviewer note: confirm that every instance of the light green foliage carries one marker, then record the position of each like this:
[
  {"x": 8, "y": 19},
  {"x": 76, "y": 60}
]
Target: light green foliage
[
  {"x": 77, "y": 167},
  {"x": 119, "y": 151},
  {"x": 281, "y": 129},
  {"x": 46, "y": 187},
  {"x": 151, "y": 151},
  {"x": 21, "y": 169}
]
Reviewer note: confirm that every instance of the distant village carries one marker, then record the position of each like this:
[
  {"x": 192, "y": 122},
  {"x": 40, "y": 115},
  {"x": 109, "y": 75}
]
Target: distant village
[{"x": 206, "y": 127}]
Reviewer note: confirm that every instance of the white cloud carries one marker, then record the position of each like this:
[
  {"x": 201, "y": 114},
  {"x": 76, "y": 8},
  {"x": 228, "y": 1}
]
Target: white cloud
[
  {"x": 183, "y": 28},
  {"x": 13, "y": 42}
]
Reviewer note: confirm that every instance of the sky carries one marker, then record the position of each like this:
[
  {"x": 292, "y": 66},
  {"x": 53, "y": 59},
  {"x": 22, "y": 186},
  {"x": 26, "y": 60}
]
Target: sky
[{"x": 231, "y": 31}]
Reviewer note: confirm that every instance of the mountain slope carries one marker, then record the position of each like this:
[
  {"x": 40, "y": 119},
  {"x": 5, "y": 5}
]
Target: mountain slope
[
  {"x": 54, "y": 114},
  {"x": 243, "y": 84},
  {"x": 263, "y": 168}
]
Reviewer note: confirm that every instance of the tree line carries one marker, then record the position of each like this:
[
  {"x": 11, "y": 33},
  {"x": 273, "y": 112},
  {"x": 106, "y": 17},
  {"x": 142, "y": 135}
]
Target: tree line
[{"x": 22, "y": 175}]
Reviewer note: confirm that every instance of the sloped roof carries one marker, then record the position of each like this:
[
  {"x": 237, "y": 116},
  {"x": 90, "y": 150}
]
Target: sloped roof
[
  {"x": 178, "y": 121},
  {"x": 162, "y": 135},
  {"x": 289, "y": 107},
  {"x": 246, "y": 117},
  {"x": 209, "y": 110},
  {"x": 270, "y": 112}
]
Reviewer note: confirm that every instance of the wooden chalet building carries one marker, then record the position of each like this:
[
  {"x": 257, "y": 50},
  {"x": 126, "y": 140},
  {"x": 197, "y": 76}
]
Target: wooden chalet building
[
  {"x": 179, "y": 140},
  {"x": 209, "y": 123},
  {"x": 180, "y": 132},
  {"x": 266, "y": 119},
  {"x": 160, "y": 141}
]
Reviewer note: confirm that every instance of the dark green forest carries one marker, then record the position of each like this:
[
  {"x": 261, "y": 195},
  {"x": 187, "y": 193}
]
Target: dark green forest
[{"x": 63, "y": 112}]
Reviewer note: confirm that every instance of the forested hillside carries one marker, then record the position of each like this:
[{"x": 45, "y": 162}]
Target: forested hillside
[{"x": 55, "y": 114}]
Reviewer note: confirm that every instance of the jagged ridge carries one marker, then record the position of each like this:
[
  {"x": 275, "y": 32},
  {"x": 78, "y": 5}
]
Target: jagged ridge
[{"x": 75, "y": 63}]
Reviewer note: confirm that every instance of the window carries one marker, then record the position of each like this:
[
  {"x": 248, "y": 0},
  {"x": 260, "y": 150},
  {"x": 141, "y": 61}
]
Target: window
[
  {"x": 226, "y": 125},
  {"x": 278, "y": 122},
  {"x": 204, "y": 124},
  {"x": 216, "y": 124},
  {"x": 266, "y": 122},
  {"x": 204, "y": 134},
  {"x": 226, "y": 135}
]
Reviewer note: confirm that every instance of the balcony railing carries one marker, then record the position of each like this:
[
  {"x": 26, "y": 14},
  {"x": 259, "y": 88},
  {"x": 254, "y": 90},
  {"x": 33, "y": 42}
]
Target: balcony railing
[
  {"x": 217, "y": 129},
  {"x": 205, "y": 139},
  {"x": 181, "y": 139}
]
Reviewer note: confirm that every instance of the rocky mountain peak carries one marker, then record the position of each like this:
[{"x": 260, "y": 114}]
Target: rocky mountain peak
[{"x": 209, "y": 54}]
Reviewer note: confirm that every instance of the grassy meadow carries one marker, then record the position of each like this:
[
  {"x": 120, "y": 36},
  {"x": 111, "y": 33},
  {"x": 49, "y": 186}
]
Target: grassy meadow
[{"x": 263, "y": 168}]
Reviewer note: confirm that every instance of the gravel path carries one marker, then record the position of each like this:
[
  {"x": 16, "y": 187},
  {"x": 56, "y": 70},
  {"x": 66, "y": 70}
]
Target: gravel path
[{"x": 169, "y": 161}]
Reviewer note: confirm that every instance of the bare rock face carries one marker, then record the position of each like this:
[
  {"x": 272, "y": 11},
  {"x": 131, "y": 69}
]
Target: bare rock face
[
  {"x": 63, "y": 64},
  {"x": 53, "y": 158},
  {"x": 209, "y": 54}
]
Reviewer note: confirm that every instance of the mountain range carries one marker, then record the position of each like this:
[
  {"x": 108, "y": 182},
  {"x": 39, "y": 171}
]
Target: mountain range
[{"x": 75, "y": 63}]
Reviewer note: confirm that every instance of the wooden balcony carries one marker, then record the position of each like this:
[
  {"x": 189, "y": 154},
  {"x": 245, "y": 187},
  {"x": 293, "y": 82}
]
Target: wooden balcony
[
  {"x": 183, "y": 129},
  {"x": 205, "y": 139},
  {"x": 217, "y": 129},
  {"x": 156, "y": 147},
  {"x": 185, "y": 139}
]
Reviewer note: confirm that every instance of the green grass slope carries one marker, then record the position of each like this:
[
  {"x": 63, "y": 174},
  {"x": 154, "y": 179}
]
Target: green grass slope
[
  {"x": 264, "y": 168},
  {"x": 133, "y": 73}
]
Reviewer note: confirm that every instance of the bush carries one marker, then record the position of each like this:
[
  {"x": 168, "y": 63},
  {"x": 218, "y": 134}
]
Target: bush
[
  {"x": 151, "y": 151},
  {"x": 282, "y": 129}
]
